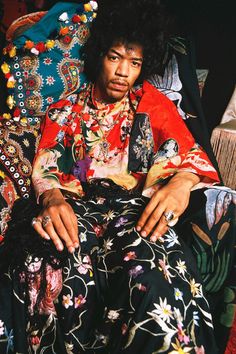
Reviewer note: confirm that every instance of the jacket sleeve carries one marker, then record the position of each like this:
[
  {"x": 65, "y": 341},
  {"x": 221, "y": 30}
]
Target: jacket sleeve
[
  {"x": 174, "y": 148},
  {"x": 57, "y": 150}
]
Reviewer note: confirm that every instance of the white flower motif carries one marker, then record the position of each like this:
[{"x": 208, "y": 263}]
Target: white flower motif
[
  {"x": 67, "y": 302},
  {"x": 163, "y": 310},
  {"x": 181, "y": 267},
  {"x": 196, "y": 288},
  {"x": 196, "y": 318},
  {"x": 50, "y": 80},
  {"x": 107, "y": 245},
  {"x": 177, "y": 315},
  {"x": 109, "y": 215},
  {"x": 172, "y": 238},
  {"x": 69, "y": 348},
  {"x": 82, "y": 237},
  {"x": 113, "y": 315},
  {"x": 178, "y": 294}
]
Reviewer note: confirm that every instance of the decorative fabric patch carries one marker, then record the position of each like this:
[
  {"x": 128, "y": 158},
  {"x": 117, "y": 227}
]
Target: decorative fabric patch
[
  {"x": 43, "y": 64},
  {"x": 167, "y": 150},
  {"x": 18, "y": 143}
]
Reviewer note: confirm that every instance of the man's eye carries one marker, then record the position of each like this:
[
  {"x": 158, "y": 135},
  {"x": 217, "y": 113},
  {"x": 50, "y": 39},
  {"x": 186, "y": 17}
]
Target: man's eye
[
  {"x": 113, "y": 58},
  {"x": 136, "y": 63}
]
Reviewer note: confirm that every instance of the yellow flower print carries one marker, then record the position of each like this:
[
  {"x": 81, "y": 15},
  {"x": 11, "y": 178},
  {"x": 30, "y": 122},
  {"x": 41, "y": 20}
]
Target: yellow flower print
[{"x": 179, "y": 349}]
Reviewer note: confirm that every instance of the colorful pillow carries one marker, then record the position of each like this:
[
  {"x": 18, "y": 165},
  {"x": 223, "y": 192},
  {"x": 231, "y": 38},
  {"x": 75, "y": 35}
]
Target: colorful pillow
[{"x": 43, "y": 64}]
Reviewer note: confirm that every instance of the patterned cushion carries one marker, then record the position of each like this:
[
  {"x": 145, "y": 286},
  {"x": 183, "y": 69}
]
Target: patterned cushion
[{"x": 43, "y": 64}]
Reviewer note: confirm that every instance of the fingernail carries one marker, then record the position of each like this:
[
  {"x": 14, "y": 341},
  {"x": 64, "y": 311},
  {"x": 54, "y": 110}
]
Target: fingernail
[
  {"x": 46, "y": 236},
  {"x": 143, "y": 233},
  {"x": 138, "y": 228},
  {"x": 76, "y": 244},
  {"x": 60, "y": 248},
  {"x": 153, "y": 238},
  {"x": 71, "y": 249}
]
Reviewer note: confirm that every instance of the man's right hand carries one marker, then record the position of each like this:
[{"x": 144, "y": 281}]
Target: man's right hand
[{"x": 57, "y": 221}]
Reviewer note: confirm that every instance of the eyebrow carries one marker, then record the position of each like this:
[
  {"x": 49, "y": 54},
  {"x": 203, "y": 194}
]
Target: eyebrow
[{"x": 120, "y": 55}]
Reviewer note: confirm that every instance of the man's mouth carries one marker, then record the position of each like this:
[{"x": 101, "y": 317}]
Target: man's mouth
[{"x": 119, "y": 85}]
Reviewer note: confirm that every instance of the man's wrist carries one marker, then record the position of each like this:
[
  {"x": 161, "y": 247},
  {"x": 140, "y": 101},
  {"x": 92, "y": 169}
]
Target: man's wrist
[
  {"x": 188, "y": 179},
  {"x": 50, "y": 194}
]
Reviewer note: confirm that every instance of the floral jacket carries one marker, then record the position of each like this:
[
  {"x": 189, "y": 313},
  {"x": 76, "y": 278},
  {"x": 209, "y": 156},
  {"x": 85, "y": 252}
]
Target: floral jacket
[{"x": 140, "y": 148}]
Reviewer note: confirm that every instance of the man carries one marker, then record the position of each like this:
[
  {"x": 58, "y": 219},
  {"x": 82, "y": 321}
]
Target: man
[
  {"x": 113, "y": 172},
  {"x": 121, "y": 67}
]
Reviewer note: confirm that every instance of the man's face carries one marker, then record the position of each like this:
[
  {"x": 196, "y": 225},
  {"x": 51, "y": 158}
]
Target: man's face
[{"x": 121, "y": 67}]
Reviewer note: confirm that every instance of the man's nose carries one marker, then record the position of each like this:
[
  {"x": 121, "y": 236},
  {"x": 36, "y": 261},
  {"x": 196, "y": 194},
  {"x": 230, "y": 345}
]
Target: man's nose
[{"x": 123, "y": 69}]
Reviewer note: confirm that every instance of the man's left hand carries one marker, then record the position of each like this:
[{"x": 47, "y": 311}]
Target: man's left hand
[{"x": 173, "y": 198}]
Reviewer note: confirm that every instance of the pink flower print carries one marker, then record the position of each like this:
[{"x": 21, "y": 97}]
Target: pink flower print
[
  {"x": 54, "y": 286},
  {"x": 34, "y": 340},
  {"x": 79, "y": 301},
  {"x": 67, "y": 302},
  {"x": 199, "y": 350},
  {"x": 130, "y": 255},
  {"x": 99, "y": 230},
  {"x": 85, "y": 266},
  {"x": 181, "y": 334},
  {"x": 141, "y": 287},
  {"x": 124, "y": 329},
  {"x": 165, "y": 268},
  {"x": 82, "y": 269}
]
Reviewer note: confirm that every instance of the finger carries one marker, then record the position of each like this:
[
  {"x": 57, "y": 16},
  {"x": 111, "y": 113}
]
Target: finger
[
  {"x": 158, "y": 233},
  {"x": 160, "y": 229},
  {"x": 37, "y": 225},
  {"x": 153, "y": 220},
  {"x": 152, "y": 205},
  {"x": 57, "y": 231},
  {"x": 48, "y": 227},
  {"x": 71, "y": 226},
  {"x": 163, "y": 227}
]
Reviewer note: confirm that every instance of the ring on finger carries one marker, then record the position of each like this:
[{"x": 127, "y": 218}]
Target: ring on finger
[
  {"x": 46, "y": 220},
  {"x": 169, "y": 215},
  {"x": 34, "y": 221},
  {"x": 173, "y": 222}
]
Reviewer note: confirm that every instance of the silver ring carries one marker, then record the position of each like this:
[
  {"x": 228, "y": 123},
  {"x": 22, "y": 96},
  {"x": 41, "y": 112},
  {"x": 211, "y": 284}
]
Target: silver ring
[
  {"x": 34, "y": 221},
  {"x": 46, "y": 220},
  {"x": 173, "y": 222},
  {"x": 169, "y": 215}
]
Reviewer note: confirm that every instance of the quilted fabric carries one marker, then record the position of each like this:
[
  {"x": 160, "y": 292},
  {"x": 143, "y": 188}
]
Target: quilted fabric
[{"x": 43, "y": 64}]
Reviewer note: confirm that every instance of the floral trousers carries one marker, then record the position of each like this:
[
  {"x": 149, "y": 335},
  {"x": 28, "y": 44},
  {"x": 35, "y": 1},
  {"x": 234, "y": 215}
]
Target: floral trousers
[{"x": 117, "y": 293}]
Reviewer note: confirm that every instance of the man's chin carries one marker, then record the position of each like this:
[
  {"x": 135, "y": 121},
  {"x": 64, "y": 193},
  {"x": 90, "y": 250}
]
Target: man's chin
[{"x": 114, "y": 96}]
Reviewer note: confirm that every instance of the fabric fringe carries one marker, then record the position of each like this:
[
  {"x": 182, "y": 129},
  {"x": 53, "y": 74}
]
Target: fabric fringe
[{"x": 224, "y": 146}]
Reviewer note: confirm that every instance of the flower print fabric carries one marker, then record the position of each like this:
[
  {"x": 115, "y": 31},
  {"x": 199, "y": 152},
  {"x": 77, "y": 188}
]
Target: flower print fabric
[
  {"x": 118, "y": 293},
  {"x": 141, "y": 137}
]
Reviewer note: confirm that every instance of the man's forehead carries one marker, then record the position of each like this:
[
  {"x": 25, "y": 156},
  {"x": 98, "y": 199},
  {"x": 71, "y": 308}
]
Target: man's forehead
[{"x": 129, "y": 48}]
